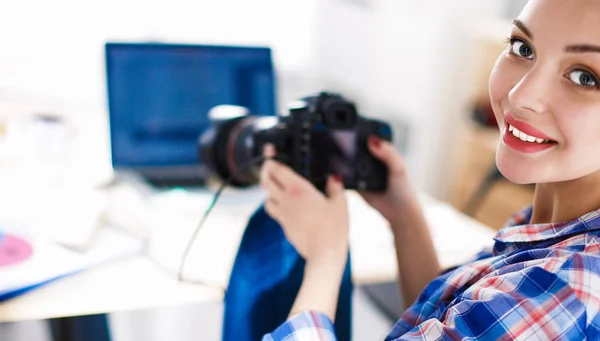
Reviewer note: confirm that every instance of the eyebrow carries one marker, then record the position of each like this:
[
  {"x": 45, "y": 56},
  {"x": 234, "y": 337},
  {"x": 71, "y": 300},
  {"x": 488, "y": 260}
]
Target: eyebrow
[
  {"x": 523, "y": 28},
  {"x": 583, "y": 48},
  {"x": 580, "y": 48}
]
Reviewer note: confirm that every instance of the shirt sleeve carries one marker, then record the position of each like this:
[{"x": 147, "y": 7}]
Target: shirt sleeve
[
  {"x": 305, "y": 326},
  {"x": 534, "y": 304}
]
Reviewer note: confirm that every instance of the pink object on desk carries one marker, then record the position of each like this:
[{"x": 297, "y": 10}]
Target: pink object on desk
[{"x": 13, "y": 250}]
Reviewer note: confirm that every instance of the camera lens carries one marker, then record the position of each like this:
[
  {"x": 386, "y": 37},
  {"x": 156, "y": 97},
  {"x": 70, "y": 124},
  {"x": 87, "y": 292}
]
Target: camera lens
[{"x": 228, "y": 149}]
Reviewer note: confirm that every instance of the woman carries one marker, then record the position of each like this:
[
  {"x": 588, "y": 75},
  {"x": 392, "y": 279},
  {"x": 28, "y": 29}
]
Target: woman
[{"x": 542, "y": 279}]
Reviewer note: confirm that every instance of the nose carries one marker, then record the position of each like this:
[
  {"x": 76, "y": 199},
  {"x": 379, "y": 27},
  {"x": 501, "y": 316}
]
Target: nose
[{"x": 532, "y": 92}]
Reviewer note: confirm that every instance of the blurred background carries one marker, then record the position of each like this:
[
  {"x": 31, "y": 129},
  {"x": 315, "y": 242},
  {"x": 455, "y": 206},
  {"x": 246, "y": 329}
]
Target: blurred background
[{"x": 421, "y": 65}]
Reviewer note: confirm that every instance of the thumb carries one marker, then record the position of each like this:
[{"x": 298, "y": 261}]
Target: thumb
[
  {"x": 386, "y": 153},
  {"x": 335, "y": 187}
]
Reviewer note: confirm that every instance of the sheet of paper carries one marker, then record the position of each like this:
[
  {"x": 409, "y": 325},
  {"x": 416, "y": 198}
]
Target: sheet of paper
[
  {"x": 113, "y": 244},
  {"x": 68, "y": 215},
  {"x": 28, "y": 261},
  {"x": 213, "y": 252}
]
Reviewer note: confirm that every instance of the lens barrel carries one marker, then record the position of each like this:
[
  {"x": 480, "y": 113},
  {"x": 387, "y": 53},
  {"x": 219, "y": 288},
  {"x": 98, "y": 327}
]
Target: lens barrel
[{"x": 228, "y": 148}]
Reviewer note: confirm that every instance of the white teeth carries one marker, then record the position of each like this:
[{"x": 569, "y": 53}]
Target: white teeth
[
  {"x": 516, "y": 132},
  {"x": 524, "y": 137}
]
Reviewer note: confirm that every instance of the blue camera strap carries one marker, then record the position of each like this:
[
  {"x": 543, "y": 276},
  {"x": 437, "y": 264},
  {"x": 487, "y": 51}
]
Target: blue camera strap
[{"x": 265, "y": 279}]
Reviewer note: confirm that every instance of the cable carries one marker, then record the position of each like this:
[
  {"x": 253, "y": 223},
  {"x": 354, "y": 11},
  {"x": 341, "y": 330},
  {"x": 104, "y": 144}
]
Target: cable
[{"x": 216, "y": 196}]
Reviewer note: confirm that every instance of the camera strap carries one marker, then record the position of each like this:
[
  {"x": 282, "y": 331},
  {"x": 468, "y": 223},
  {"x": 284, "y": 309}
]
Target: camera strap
[{"x": 265, "y": 280}]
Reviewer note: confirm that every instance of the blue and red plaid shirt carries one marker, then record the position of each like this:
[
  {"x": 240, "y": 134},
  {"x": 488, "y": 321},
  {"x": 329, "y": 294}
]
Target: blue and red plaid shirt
[{"x": 539, "y": 282}]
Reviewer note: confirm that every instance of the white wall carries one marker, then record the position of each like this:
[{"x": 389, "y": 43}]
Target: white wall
[
  {"x": 52, "y": 53},
  {"x": 401, "y": 59},
  {"x": 55, "y": 48},
  {"x": 405, "y": 60}
]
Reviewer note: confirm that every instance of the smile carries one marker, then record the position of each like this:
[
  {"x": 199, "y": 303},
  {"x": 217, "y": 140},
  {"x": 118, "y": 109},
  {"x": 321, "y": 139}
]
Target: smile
[{"x": 524, "y": 137}]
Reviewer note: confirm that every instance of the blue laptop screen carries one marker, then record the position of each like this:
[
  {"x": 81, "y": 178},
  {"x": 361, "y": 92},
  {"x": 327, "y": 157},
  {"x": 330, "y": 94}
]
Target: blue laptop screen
[{"x": 159, "y": 96}]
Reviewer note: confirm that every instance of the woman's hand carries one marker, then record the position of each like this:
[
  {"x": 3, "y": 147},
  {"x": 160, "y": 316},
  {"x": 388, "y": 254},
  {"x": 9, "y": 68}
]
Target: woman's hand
[
  {"x": 399, "y": 204},
  {"x": 315, "y": 224},
  {"x": 399, "y": 191}
]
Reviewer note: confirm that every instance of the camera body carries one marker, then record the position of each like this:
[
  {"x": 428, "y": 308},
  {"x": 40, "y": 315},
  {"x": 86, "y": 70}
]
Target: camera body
[
  {"x": 318, "y": 136},
  {"x": 324, "y": 135}
]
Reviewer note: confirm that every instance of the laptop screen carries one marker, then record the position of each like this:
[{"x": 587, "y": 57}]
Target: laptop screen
[{"x": 159, "y": 96}]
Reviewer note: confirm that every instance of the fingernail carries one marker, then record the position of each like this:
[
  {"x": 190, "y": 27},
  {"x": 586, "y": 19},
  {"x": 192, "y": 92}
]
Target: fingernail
[
  {"x": 268, "y": 151},
  {"x": 375, "y": 141},
  {"x": 337, "y": 178}
]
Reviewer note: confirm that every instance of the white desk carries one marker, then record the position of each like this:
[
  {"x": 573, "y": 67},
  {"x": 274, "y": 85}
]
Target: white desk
[
  {"x": 138, "y": 283},
  {"x": 457, "y": 238},
  {"x": 131, "y": 284}
]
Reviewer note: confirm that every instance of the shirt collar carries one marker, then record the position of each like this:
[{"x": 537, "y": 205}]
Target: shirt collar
[{"x": 518, "y": 229}]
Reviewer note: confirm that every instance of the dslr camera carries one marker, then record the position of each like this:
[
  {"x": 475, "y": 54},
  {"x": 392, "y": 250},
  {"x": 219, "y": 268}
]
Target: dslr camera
[{"x": 318, "y": 136}]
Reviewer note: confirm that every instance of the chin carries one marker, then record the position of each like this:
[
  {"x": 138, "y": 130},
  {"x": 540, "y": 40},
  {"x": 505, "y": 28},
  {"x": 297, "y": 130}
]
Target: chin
[{"x": 517, "y": 169}]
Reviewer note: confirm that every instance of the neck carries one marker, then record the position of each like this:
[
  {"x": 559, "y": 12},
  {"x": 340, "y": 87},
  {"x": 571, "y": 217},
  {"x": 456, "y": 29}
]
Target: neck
[{"x": 565, "y": 201}]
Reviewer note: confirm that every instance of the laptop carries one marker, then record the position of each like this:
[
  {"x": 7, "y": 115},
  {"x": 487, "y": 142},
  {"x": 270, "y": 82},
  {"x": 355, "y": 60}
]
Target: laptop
[{"x": 159, "y": 96}]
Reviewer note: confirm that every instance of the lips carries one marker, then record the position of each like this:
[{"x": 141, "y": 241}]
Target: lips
[
  {"x": 525, "y": 128},
  {"x": 524, "y": 138}
]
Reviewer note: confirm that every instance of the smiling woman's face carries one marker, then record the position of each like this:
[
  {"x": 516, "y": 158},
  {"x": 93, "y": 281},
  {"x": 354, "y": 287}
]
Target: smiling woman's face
[{"x": 545, "y": 89}]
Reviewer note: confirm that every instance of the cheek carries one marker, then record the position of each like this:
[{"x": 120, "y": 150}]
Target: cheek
[
  {"x": 580, "y": 128},
  {"x": 580, "y": 154},
  {"x": 500, "y": 86}
]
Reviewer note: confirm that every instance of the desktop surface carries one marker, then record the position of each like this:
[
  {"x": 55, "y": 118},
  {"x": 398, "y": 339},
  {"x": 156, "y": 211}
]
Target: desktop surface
[{"x": 147, "y": 280}]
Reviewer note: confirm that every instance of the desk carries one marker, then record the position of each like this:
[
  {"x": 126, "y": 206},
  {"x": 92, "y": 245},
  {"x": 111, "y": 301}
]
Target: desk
[
  {"x": 139, "y": 283},
  {"x": 130, "y": 284}
]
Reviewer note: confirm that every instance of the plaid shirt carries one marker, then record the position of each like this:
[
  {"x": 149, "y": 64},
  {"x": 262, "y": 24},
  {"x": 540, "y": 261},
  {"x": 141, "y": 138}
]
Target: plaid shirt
[{"x": 539, "y": 282}]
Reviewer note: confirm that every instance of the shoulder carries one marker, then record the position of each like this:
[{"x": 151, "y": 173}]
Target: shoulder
[
  {"x": 531, "y": 301},
  {"x": 544, "y": 292},
  {"x": 577, "y": 270},
  {"x": 566, "y": 283},
  {"x": 581, "y": 272}
]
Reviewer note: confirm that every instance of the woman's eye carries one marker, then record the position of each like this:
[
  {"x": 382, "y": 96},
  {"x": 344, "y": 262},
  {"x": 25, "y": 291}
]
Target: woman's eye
[
  {"x": 583, "y": 78},
  {"x": 521, "y": 49}
]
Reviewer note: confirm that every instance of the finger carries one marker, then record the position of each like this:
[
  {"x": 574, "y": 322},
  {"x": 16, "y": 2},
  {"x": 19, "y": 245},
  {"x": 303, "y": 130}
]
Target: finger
[
  {"x": 269, "y": 151},
  {"x": 368, "y": 196},
  {"x": 275, "y": 189},
  {"x": 272, "y": 209},
  {"x": 284, "y": 175},
  {"x": 386, "y": 153},
  {"x": 335, "y": 187},
  {"x": 266, "y": 174}
]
